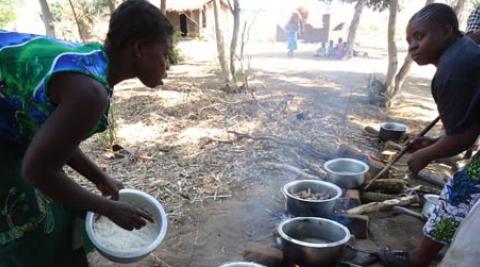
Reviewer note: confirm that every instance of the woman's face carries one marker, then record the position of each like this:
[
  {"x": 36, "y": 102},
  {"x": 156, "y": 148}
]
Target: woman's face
[
  {"x": 427, "y": 41},
  {"x": 152, "y": 62}
]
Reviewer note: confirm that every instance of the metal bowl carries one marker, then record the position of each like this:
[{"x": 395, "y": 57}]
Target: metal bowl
[
  {"x": 241, "y": 264},
  {"x": 145, "y": 202},
  {"x": 392, "y": 131},
  {"x": 308, "y": 241},
  {"x": 315, "y": 208},
  {"x": 346, "y": 172},
  {"x": 431, "y": 202}
]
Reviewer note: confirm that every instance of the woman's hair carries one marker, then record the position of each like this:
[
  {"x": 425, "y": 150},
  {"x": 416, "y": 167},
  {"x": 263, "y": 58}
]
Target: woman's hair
[
  {"x": 438, "y": 13},
  {"x": 137, "y": 20}
]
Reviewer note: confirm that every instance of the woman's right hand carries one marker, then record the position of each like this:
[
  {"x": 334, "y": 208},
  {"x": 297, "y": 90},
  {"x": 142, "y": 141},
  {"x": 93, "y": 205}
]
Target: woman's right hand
[
  {"x": 420, "y": 142},
  {"x": 127, "y": 216}
]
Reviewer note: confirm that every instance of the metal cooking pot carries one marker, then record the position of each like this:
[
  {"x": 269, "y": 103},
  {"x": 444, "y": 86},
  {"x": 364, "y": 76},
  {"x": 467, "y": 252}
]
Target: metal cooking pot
[
  {"x": 310, "y": 242},
  {"x": 346, "y": 172},
  {"x": 430, "y": 202},
  {"x": 316, "y": 208},
  {"x": 392, "y": 131}
]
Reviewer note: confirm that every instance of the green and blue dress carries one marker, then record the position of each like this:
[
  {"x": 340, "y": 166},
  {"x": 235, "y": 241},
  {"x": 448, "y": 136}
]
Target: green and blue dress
[{"x": 34, "y": 230}]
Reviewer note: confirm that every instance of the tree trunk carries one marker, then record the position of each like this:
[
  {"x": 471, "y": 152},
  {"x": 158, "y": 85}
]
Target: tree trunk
[
  {"x": 352, "y": 32},
  {"x": 392, "y": 49},
  {"x": 163, "y": 6},
  {"x": 233, "y": 44},
  {"x": 220, "y": 42},
  {"x": 77, "y": 21},
  {"x": 47, "y": 18},
  {"x": 111, "y": 5},
  {"x": 407, "y": 64},
  {"x": 459, "y": 8}
]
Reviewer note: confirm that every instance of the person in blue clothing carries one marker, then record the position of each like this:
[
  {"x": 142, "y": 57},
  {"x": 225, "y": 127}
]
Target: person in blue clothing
[
  {"x": 293, "y": 27},
  {"x": 434, "y": 37},
  {"x": 53, "y": 96}
]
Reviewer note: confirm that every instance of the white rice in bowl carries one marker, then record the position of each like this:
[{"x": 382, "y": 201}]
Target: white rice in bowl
[{"x": 118, "y": 239}]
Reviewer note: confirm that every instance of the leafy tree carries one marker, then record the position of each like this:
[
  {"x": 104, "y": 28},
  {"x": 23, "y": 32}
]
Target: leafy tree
[{"x": 7, "y": 12}]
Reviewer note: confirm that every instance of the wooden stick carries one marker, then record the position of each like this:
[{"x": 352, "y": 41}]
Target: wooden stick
[
  {"x": 385, "y": 205},
  {"x": 403, "y": 151},
  {"x": 409, "y": 212},
  {"x": 368, "y": 197}
]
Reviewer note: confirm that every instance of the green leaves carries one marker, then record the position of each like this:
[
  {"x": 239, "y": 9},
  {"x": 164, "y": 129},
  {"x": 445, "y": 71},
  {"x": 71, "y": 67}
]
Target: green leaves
[{"x": 7, "y": 12}]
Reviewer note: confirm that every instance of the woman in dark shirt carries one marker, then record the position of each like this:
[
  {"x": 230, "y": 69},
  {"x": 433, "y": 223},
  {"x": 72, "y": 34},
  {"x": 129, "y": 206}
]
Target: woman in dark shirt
[{"x": 434, "y": 38}]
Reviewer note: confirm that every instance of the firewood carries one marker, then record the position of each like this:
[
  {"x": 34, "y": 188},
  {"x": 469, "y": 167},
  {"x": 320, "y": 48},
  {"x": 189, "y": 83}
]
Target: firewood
[
  {"x": 390, "y": 145},
  {"x": 375, "y": 168},
  {"x": 368, "y": 197},
  {"x": 388, "y": 155},
  {"x": 369, "y": 130},
  {"x": 389, "y": 186},
  {"x": 385, "y": 205},
  {"x": 430, "y": 178},
  {"x": 424, "y": 189},
  {"x": 406, "y": 211}
]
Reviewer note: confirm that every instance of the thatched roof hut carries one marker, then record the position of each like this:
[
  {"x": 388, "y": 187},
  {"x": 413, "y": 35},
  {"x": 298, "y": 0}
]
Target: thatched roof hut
[{"x": 195, "y": 17}]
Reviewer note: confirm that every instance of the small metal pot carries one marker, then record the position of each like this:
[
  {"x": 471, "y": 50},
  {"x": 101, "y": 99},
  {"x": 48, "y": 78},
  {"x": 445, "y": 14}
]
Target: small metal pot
[
  {"x": 392, "y": 131},
  {"x": 346, "y": 172},
  {"x": 316, "y": 208},
  {"x": 308, "y": 241},
  {"x": 430, "y": 202}
]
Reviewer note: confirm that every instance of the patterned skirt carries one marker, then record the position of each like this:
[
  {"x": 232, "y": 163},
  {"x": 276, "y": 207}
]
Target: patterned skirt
[
  {"x": 34, "y": 231},
  {"x": 458, "y": 197}
]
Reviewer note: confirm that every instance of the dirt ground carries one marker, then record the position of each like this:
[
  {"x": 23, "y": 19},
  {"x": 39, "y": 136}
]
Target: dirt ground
[{"x": 222, "y": 191}]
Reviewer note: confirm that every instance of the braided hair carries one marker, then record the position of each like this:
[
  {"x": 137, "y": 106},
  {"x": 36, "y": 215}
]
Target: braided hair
[
  {"x": 137, "y": 20},
  {"x": 438, "y": 13}
]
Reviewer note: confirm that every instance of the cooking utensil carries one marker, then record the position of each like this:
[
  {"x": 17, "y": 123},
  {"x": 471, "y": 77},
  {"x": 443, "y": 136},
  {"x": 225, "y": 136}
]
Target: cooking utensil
[
  {"x": 346, "y": 172},
  {"x": 306, "y": 207},
  {"x": 402, "y": 152},
  {"x": 392, "y": 131},
  {"x": 309, "y": 241},
  {"x": 143, "y": 201}
]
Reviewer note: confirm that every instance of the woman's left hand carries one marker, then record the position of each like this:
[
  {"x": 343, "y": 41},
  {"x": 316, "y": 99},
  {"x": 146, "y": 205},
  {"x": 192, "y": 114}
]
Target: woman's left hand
[
  {"x": 418, "y": 161},
  {"x": 109, "y": 187}
]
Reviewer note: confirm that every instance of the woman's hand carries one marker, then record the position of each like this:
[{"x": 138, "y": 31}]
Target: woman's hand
[
  {"x": 418, "y": 161},
  {"x": 420, "y": 142},
  {"x": 127, "y": 216},
  {"x": 109, "y": 186}
]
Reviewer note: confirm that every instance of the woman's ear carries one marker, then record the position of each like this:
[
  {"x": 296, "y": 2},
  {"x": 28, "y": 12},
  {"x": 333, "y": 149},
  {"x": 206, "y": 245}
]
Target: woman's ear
[
  {"x": 137, "y": 48},
  {"x": 448, "y": 30}
]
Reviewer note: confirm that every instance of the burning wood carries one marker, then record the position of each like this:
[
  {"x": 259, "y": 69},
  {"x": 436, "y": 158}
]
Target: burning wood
[{"x": 308, "y": 195}]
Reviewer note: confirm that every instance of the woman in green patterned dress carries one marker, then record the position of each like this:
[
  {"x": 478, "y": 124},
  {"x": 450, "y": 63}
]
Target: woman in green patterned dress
[{"x": 54, "y": 95}]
